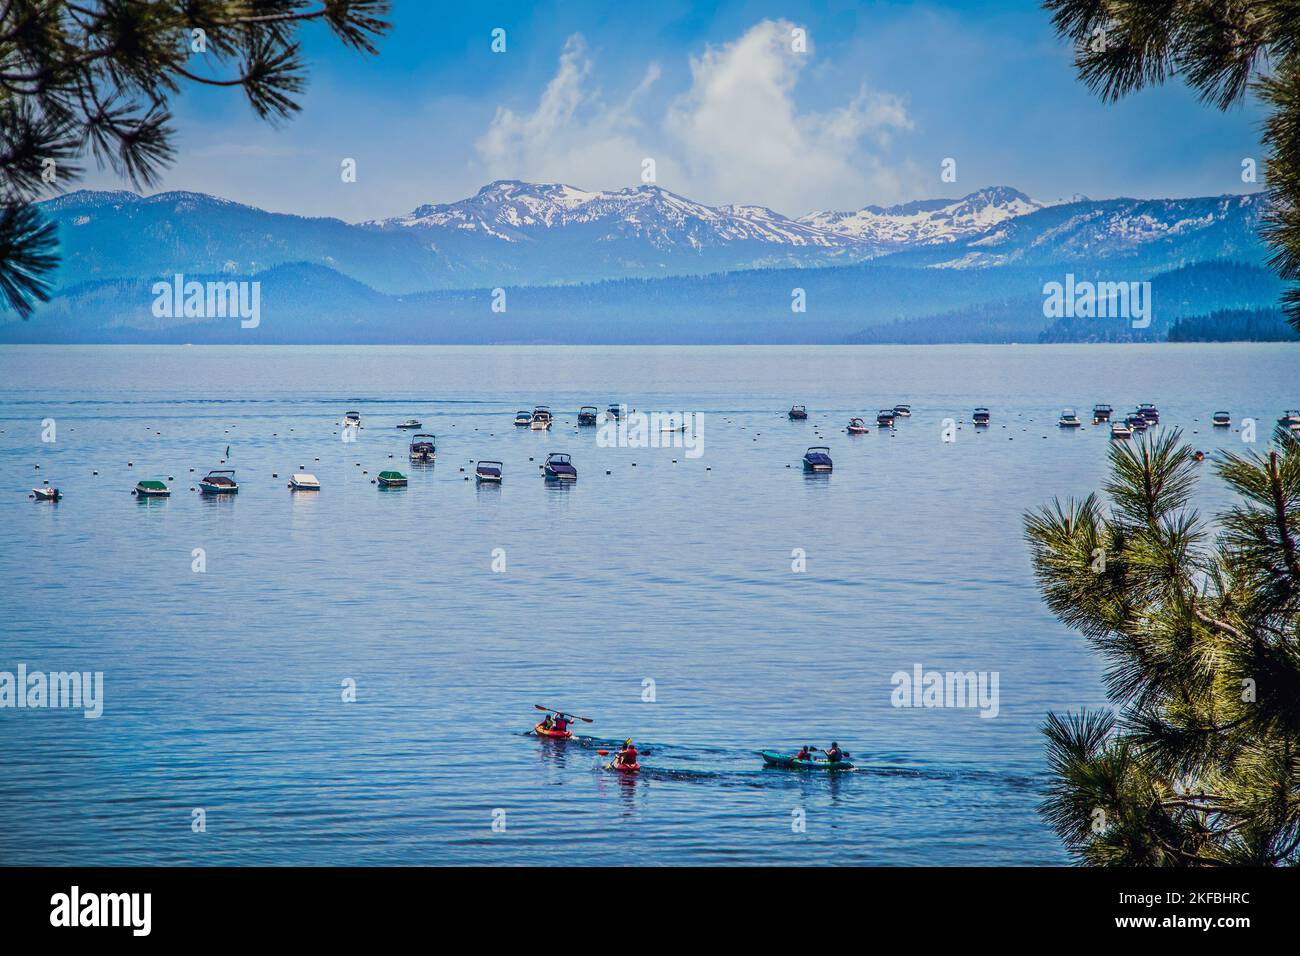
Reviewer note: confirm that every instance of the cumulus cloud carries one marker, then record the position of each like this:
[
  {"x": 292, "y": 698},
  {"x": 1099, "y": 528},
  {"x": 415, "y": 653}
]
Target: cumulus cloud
[
  {"x": 736, "y": 135},
  {"x": 573, "y": 135}
]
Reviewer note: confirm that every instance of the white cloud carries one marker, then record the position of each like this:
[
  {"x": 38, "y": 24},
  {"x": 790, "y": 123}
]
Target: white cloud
[
  {"x": 572, "y": 136},
  {"x": 736, "y": 135}
]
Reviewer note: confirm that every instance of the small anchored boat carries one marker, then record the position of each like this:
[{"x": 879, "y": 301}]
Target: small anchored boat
[
  {"x": 798, "y": 413},
  {"x": 1222, "y": 420},
  {"x": 587, "y": 415},
  {"x": 559, "y": 467},
  {"x": 1150, "y": 413},
  {"x": 817, "y": 460},
  {"x": 1137, "y": 421},
  {"x": 301, "y": 481},
  {"x": 885, "y": 417},
  {"x": 1101, "y": 413},
  {"x": 903, "y": 411},
  {"x": 352, "y": 420},
  {"x": 1120, "y": 430},
  {"x": 152, "y": 488},
  {"x": 220, "y": 481},
  {"x": 488, "y": 472},
  {"x": 857, "y": 427},
  {"x": 1290, "y": 419},
  {"x": 542, "y": 419},
  {"x": 981, "y": 418},
  {"x": 523, "y": 418},
  {"x": 47, "y": 494},
  {"x": 1068, "y": 419},
  {"x": 410, "y": 423},
  {"x": 614, "y": 412},
  {"x": 391, "y": 479},
  {"x": 423, "y": 447}
]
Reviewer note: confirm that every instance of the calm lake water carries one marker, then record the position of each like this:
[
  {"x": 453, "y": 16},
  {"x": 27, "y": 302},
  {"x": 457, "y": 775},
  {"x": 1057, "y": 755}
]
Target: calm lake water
[{"x": 223, "y": 689}]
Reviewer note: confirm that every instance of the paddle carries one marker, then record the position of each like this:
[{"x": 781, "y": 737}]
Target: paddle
[{"x": 563, "y": 714}]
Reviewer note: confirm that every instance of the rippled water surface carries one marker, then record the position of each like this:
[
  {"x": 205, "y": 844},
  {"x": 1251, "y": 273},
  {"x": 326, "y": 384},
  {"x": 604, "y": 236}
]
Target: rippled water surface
[{"x": 223, "y": 689}]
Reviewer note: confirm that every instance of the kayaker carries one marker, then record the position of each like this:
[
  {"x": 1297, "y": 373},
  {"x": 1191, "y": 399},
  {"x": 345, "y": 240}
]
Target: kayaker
[
  {"x": 561, "y": 722},
  {"x": 805, "y": 753},
  {"x": 548, "y": 723},
  {"x": 626, "y": 756},
  {"x": 834, "y": 755}
]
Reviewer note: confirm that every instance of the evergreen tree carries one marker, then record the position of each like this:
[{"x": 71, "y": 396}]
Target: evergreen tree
[
  {"x": 94, "y": 76},
  {"x": 1198, "y": 762},
  {"x": 1222, "y": 49}
]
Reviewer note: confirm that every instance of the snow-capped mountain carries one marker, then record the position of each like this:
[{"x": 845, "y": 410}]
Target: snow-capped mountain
[
  {"x": 927, "y": 221},
  {"x": 515, "y": 211},
  {"x": 512, "y": 233}
]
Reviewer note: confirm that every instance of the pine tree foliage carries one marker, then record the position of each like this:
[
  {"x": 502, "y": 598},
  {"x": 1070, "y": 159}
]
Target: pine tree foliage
[
  {"x": 1198, "y": 762},
  {"x": 94, "y": 78},
  {"x": 1224, "y": 50}
]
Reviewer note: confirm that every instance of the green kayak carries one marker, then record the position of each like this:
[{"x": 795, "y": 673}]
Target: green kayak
[{"x": 774, "y": 759}]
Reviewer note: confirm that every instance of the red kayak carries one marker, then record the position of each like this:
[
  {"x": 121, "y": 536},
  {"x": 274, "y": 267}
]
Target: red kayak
[
  {"x": 624, "y": 767},
  {"x": 557, "y": 734}
]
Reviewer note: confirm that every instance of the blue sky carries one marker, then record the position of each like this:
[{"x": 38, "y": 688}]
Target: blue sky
[{"x": 714, "y": 94}]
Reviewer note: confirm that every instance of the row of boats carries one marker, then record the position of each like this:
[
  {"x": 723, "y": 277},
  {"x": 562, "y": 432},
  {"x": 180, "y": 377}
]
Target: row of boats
[{"x": 1145, "y": 416}]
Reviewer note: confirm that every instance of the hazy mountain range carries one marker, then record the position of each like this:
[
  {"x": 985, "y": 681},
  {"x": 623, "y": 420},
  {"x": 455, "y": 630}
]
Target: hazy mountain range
[{"x": 634, "y": 265}]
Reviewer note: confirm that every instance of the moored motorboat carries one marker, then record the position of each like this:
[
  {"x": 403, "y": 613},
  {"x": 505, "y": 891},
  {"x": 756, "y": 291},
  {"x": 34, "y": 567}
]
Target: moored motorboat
[
  {"x": 817, "y": 460},
  {"x": 302, "y": 481},
  {"x": 903, "y": 411},
  {"x": 1150, "y": 413},
  {"x": 488, "y": 472},
  {"x": 352, "y": 420},
  {"x": 1222, "y": 420},
  {"x": 219, "y": 481},
  {"x": 47, "y": 494},
  {"x": 798, "y": 413},
  {"x": 410, "y": 423},
  {"x": 424, "y": 447},
  {"x": 1068, "y": 419},
  {"x": 981, "y": 418},
  {"x": 587, "y": 415},
  {"x": 523, "y": 418},
  {"x": 857, "y": 427},
  {"x": 152, "y": 488},
  {"x": 1101, "y": 413},
  {"x": 541, "y": 419},
  {"x": 559, "y": 467},
  {"x": 772, "y": 758},
  {"x": 391, "y": 479},
  {"x": 614, "y": 412},
  {"x": 1120, "y": 430},
  {"x": 1290, "y": 419},
  {"x": 885, "y": 417},
  {"x": 1137, "y": 421}
]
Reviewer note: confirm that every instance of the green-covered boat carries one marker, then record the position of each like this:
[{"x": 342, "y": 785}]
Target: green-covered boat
[
  {"x": 152, "y": 488},
  {"x": 392, "y": 479},
  {"x": 791, "y": 762}
]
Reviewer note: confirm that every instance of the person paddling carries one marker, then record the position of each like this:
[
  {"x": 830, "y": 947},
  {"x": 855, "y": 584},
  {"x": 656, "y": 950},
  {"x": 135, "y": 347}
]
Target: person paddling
[
  {"x": 548, "y": 723},
  {"x": 627, "y": 756},
  {"x": 561, "y": 722},
  {"x": 834, "y": 755},
  {"x": 805, "y": 753}
]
